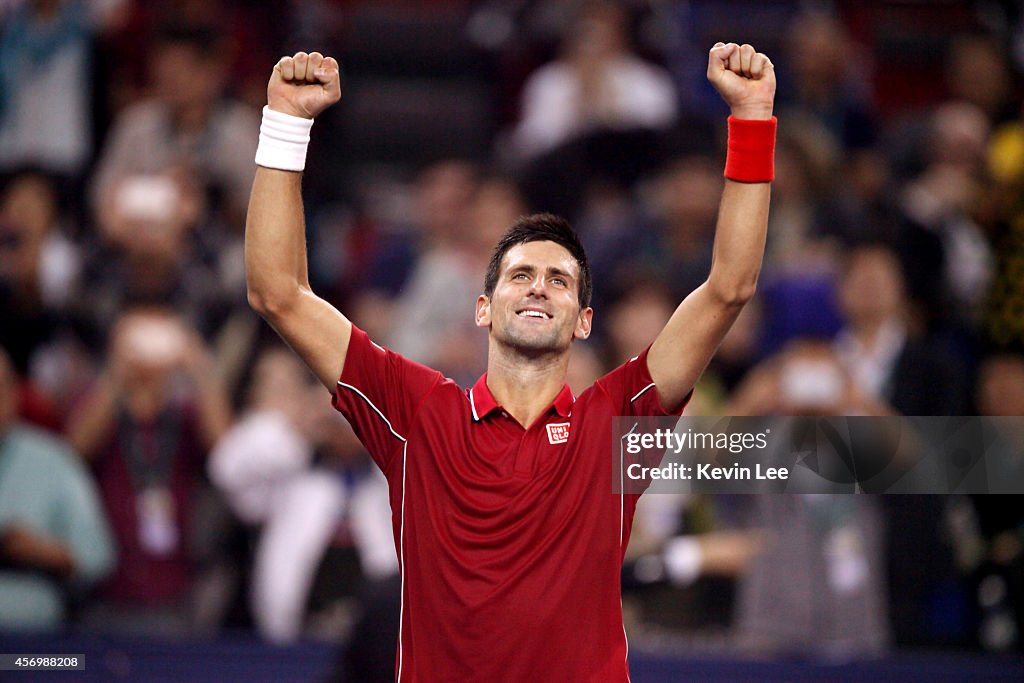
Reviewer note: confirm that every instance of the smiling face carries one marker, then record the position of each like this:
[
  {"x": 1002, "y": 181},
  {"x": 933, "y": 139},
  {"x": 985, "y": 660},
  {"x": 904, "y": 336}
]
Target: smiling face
[{"x": 535, "y": 307}]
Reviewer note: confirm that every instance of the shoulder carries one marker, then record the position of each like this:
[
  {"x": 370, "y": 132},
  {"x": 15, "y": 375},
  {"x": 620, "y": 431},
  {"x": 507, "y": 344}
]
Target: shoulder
[
  {"x": 630, "y": 390},
  {"x": 141, "y": 115},
  {"x": 448, "y": 396},
  {"x": 553, "y": 75},
  {"x": 637, "y": 70},
  {"x": 373, "y": 370},
  {"x": 42, "y": 450},
  {"x": 237, "y": 119},
  {"x": 631, "y": 374}
]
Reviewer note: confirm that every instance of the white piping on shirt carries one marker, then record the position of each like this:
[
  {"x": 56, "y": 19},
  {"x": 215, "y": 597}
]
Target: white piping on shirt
[
  {"x": 401, "y": 535},
  {"x": 622, "y": 481},
  {"x": 641, "y": 392},
  {"x": 622, "y": 515}
]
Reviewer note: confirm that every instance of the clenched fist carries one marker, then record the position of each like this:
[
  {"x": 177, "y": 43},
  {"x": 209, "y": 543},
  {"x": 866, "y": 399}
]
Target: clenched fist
[
  {"x": 744, "y": 78},
  {"x": 304, "y": 84}
]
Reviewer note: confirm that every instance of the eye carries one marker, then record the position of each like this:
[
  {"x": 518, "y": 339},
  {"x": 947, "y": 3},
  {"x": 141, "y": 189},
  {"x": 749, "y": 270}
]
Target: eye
[
  {"x": 558, "y": 281},
  {"x": 520, "y": 276}
]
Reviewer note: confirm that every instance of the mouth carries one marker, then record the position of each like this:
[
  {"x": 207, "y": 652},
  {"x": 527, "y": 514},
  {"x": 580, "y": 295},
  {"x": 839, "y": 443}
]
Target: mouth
[{"x": 534, "y": 313}]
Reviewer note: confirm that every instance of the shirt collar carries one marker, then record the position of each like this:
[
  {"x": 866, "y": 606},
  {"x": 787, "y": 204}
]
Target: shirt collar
[{"x": 482, "y": 402}]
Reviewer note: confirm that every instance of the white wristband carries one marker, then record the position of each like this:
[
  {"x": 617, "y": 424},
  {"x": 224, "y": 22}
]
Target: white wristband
[{"x": 283, "y": 141}]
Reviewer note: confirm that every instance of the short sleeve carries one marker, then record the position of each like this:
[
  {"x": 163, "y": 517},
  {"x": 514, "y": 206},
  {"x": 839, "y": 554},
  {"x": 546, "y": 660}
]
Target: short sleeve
[
  {"x": 379, "y": 392},
  {"x": 630, "y": 388}
]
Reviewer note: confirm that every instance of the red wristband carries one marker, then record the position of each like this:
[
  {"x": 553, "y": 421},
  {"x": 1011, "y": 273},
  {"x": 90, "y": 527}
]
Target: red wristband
[{"x": 751, "y": 155}]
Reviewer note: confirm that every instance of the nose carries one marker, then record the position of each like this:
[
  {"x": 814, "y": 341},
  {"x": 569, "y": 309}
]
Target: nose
[{"x": 538, "y": 287}]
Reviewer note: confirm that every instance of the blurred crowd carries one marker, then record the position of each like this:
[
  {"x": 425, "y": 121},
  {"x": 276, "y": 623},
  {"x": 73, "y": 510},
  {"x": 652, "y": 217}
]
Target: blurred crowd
[{"x": 168, "y": 468}]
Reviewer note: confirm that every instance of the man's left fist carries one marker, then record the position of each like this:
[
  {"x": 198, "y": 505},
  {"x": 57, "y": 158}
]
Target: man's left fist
[{"x": 744, "y": 78}]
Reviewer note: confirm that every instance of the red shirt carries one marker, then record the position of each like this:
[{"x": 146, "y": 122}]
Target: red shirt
[
  {"x": 510, "y": 540},
  {"x": 142, "y": 577}
]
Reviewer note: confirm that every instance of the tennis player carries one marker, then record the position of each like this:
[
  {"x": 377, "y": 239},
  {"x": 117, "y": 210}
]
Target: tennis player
[{"x": 509, "y": 536}]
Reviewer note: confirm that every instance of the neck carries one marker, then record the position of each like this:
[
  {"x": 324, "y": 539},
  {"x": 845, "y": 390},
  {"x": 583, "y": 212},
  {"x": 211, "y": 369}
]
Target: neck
[
  {"x": 192, "y": 118},
  {"x": 523, "y": 385}
]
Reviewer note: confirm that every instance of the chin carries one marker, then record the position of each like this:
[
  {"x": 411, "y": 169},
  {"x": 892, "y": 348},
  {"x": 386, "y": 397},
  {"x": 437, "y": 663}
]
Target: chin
[{"x": 536, "y": 344}]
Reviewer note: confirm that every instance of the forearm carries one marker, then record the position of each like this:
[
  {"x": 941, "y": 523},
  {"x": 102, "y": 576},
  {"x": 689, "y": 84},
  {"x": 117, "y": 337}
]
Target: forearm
[
  {"x": 91, "y": 426},
  {"x": 214, "y": 408},
  {"x": 739, "y": 241},
  {"x": 275, "y": 241},
  {"x": 30, "y": 550}
]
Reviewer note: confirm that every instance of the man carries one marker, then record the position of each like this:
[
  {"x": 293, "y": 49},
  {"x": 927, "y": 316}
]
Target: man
[
  {"x": 890, "y": 366},
  {"x": 54, "y": 537},
  {"x": 186, "y": 127},
  {"x": 597, "y": 82},
  {"x": 145, "y": 427},
  {"x": 509, "y": 537}
]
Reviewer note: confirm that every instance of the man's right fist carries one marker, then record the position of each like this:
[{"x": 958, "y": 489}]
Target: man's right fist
[{"x": 304, "y": 84}]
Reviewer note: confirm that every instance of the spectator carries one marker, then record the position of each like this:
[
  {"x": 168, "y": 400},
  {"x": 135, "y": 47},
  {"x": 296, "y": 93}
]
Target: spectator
[
  {"x": 620, "y": 236},
  {"x": 40, "y": 277},
  {"x": 597, "y": 82},
  {"x": 946, "y": 255},
  {"x": 819, "y": 586},
  {"x": 427, "y": 327},
  {"x": 978, "y": 72},
  {"x": 149, "y": 256},
  {"x": 881, "y": 353},
  {"x": 798, "y": 292},
  {"x": 266, "y": 465},
  {"x": 248, "y": 40},
  {"x": 46, "y": 84},
  {"x": 39, "y": 266},
  {"x": 827, "y": 95},
  {"x": 1001, "y": 385},
  {"x": 186, "y": 125},
  {"x": 146, "y": 434},
  {"x": 805, "y": 378},
  {"x": 54, "y": 537},
  {"x": 636, "y": 317},
  {"x": 830, "y": 133},
  {"x": 686, "y": 560},
  {"x": 686, "y": 211},
  {"x": 795, "y": 242}
]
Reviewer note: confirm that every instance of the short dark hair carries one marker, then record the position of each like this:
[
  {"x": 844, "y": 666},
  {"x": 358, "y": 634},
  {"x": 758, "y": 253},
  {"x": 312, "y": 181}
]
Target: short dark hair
[{"x": 542, "y": 227}]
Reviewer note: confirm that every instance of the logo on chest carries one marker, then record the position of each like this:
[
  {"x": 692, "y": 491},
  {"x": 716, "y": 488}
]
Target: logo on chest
[{"x": 558, "y": 432}]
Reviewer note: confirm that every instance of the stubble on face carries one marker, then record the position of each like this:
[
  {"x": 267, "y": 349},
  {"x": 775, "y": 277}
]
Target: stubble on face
[{"x": 535, "y": 305}]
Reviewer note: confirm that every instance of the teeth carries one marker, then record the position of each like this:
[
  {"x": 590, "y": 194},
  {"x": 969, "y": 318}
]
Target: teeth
[{"x": 532, "y": 314}]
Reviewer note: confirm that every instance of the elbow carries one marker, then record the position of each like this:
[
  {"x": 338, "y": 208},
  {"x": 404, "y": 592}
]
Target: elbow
[
  {"x": 91, "y": 570},
  {"x": 734, "y": 295},
  {"x": 257, "y": 301},
  {"x": 269, "y": 305},
  {"x": 741, "y": 296}
]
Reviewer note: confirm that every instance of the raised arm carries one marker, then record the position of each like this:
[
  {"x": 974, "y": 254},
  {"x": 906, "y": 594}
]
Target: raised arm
[
  {"x": 746, "y": 81},
  {"x": 277, "y": 278}
]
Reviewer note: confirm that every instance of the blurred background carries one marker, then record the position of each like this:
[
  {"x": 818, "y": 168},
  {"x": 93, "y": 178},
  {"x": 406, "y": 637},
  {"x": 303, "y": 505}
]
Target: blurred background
[{"x": 179, "y": 501}]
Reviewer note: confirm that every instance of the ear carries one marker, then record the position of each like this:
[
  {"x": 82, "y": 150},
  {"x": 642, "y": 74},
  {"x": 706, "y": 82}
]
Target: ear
[
  {"x": 583, "y": 323},
  {"x": 483, "y": 311}
]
